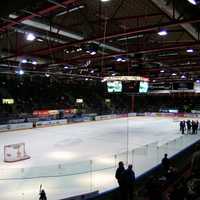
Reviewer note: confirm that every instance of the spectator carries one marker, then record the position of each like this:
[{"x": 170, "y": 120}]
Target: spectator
[
  {"x": 166, "y": 163},
  {"x": 130, "y": 181},
  {"x": 154, "y": 190},
  {"x": 119, "y": 175},
  {"x": 43, "y": 195},
  {"x": 180, "y": 191},
  {"x": 171, "y": 174},
  {"x": 195, "y": 165}
]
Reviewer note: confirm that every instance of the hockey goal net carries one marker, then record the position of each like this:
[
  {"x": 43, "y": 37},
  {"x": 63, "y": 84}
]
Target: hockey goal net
[{"x": 15, "y": 152}]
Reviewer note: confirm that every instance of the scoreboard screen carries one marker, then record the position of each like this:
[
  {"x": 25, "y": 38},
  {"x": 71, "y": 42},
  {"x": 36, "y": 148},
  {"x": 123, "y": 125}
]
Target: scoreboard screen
[{"x": 115, "y": 86}]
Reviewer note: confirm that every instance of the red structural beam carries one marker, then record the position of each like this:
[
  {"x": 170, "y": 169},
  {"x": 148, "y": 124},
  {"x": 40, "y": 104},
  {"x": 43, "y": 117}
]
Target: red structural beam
[
  {"x": 41, "y": 12},
  {"x": 142, "y": 51},
  {"x": 126, "y": 18},
  {"x": 121, "y": 34},
  {"x": 166, "y": 59},
  {"x": 182, "y": 68},
  {"x": 116, "y": 35},
  {"x": 152, "y": 50}
]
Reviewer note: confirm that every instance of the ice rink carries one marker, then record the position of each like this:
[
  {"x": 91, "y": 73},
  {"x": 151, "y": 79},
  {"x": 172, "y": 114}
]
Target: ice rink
[{"x": 79, "y": 158}]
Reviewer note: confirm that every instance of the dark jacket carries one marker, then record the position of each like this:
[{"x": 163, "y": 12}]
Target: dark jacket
[
  {"x": 129, "y": 176},
  {"x": 119, "y": 174}
]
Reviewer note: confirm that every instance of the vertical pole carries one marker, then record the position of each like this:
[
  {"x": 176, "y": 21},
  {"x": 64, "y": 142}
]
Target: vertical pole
[
  {"x": 158, "y": 155},
  {"x": 115, "y": 160},
  {"x": 127, "y": 141},
  {"x": 174, "y": 14},
  {"x": 133, "y": 157},
  {"x": 91, "y": 184},
  {"x": 175, "y": 145},
  {"x": 132, "y": 103},
  {"x": 22, "y": 195},
  {"x": 167, "y": 151}
]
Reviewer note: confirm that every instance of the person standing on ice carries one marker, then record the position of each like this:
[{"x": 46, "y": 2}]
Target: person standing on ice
[
  {"x": 119, "y": 175},
  {"x": 188, "y": 126},
  {"x": 42, "y": 194},
  {"x": 193, "y": 127},
  {"x": 182, "y": 126},
  {"x": 197, "y": 126}
]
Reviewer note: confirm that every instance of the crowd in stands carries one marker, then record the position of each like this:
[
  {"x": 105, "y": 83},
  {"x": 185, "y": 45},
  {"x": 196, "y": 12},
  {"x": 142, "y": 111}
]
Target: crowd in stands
[
  {"x": 163, "y": 103},
  {"x": 39, "y": 93},
  {"x": 45, "y": 94},
  {"x": 170, "y": 184}
]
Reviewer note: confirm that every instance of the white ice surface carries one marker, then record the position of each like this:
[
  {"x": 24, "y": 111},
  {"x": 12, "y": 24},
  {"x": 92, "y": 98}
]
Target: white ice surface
[{"x": 64, "y": 150}]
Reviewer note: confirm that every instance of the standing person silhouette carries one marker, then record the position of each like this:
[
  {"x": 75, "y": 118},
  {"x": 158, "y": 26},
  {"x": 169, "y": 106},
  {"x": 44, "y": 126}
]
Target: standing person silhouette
[
  {"x": 165, "y": 163},
  {"x": 42, "y": 194},
  {"x": 130, "y": 182},
  {"x": 119, "y": 175}
]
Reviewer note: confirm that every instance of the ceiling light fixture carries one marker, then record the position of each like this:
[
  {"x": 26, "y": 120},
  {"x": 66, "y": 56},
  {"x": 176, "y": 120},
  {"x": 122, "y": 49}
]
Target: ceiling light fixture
[
  {"x": 162, "y": 71},
  {"x": 24, "y": 61},
  {"x": 34, "y": 62},
  {"x": 105, "y": 0},
  {"x": 120, "y": 59},
  {"x": 173, "y": 74},
  {"x": 40, "y": 40},
  {"x": 193, "y": 2},
  {"x": 71, "y": 10},
  {"x": 79, "y": 49},
  {"x": 30, "y": 37},
  {"x": 20, "y": 72},
  {"x": 91, "y": 49},
  {"x": 190, "y": 50},
  {"x": 47, "y": 75},
  {"x": 162, "y": 33},
  {"x": 93, "y": 53},
  {"x": 66, "y": 51},
  {"x": 183, "y": 77}
]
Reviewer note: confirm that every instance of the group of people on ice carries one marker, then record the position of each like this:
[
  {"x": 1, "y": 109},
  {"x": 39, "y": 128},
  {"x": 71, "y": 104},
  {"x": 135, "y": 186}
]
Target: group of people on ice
[{"x": 189, "y": 127}]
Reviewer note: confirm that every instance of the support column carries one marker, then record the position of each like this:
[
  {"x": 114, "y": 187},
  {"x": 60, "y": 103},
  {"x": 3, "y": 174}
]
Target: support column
[{"x": 133, "y": 103}]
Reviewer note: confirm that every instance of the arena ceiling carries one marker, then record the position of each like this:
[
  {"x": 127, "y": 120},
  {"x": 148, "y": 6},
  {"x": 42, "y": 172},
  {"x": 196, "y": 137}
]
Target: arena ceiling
[{"x": 90, "y": 39}]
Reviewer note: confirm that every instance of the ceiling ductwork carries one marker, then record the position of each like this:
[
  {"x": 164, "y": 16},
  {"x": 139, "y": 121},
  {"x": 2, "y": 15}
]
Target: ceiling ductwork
[
  {"x": 171, "y": 12},
  {"x": 10, "y": 6},
  {"x": 45, "y": 27}
]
